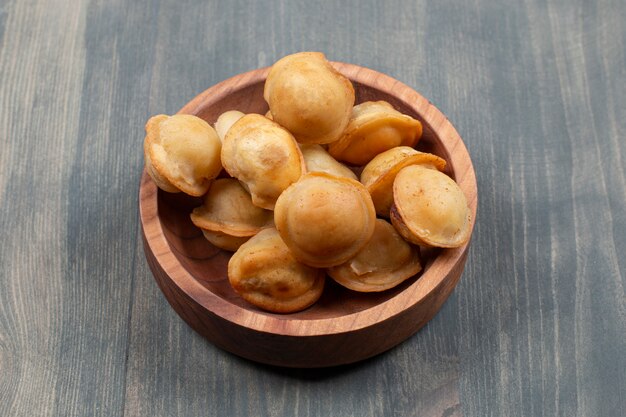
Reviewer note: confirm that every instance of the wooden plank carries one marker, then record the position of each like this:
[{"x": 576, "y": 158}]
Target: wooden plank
[
  {"x": 70, "y": 79},
  {"x": 535, "y": 88},
  {"x": 103, "y": 199},
  {"x": 542, "y": 138},
  {"x": 41, "y": 77}
]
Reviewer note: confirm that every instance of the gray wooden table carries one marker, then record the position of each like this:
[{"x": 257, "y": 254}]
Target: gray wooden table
[{"x": 537, "y": 89}]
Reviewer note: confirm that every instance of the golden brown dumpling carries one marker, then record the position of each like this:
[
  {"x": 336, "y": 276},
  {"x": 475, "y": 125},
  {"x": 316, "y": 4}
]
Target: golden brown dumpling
[
  {"x": 374, "y": 127},
  {"x": 182, "y": 153},
  {"x": 325, "y": 220},
  {"x": 379, "y": 173},
  {"x": 384, "y": 262},
  {"x": 429, "y": 208},
  {"x": 224, "y": 241},
  {"x": 263, "y": 156},
  {"x": 161, "y": 181},
  {"x": 265, "y": 273},
  {"x": 227, "y": 216},
  {"x": 225, "y": 121},
  {"x": 309, "y": 97},
  {"x": 318, "y": 160}
]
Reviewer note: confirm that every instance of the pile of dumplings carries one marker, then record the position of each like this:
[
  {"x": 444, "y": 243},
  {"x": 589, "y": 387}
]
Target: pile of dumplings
[{"x": 290, "y": 205}]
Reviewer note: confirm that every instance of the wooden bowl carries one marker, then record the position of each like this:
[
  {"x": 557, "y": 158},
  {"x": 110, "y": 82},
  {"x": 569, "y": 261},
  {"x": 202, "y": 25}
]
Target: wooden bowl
[{"x": 343, "y": 326}]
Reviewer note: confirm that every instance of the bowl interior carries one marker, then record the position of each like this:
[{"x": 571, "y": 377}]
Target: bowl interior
[{"x": 208, "y": 264}]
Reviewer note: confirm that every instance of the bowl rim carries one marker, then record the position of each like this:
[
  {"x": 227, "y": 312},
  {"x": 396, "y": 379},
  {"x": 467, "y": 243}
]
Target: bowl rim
[{"x": 284, "y": 324}]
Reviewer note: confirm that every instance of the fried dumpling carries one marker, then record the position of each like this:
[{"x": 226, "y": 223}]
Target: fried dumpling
[
  {"x": 265, "y": 273},
  {"x": 318, "y": 160},
  {"x": 309, "y": 97},
  {"x": 325, "y": 220},
  {"x": 227, "y": 216},
  {"x": 374, "y": 127},
  {"x": 429, "y": 208},
  {"x": 379, "y": 174},
  {"x": 161, "y": 181},
  {"x": 182, "y": 153},
  {"x": 384, "y": 262},
  {"x": 225, "y": 122},
  {"x": 263, "y": 156}
]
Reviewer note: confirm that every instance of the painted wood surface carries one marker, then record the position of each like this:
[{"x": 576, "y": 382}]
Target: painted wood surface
[{"x": 537, "y": 90}]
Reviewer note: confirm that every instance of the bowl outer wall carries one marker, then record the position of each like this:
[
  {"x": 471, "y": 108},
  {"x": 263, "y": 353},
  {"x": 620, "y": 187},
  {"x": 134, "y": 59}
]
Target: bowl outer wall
[{"x": 424, "y": 294}]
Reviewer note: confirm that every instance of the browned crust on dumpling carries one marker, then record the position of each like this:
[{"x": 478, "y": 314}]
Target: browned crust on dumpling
[
  {"x": 227, "y": 211},
  {"x": 263, "y": 156},
  {"x": 309, "y": 97},
  {"x": 379, "y": 174},
  {"x": 265, "y": 273},
  {"x": 429, "y": 208},
  {"x": 374, "y": 127},
  {"x": 386, "y": 261},
  {"x": 182, "y": 153},
  {"x": 325, "y": 220}
]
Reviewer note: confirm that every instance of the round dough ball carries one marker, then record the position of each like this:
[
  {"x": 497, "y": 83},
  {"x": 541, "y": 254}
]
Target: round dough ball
[
  {"x": 265, "y": 273},
  {"x": 325, "y": 220},
  {"x": 182, "y": 153},
  {"x": 309, "y": 97}
]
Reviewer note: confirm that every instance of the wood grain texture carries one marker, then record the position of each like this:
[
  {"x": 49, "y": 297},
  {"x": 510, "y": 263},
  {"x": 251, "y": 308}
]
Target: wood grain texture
[{"x": 537, "y": 91}]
